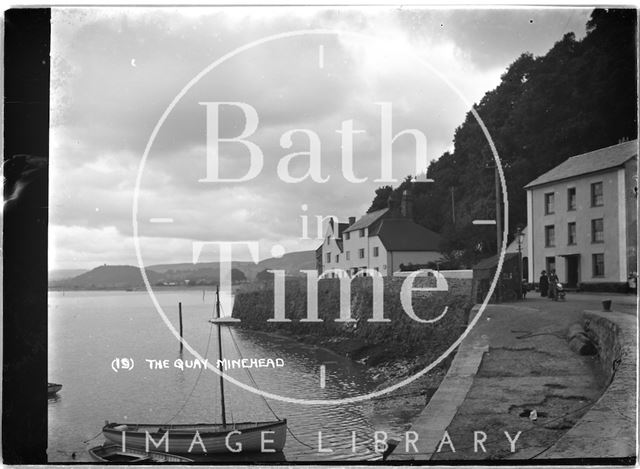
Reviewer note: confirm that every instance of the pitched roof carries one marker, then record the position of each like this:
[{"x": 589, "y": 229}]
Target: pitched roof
[
  {"x": 402, "y": 234},
  {"x": 598, "y": 160},
  {"x": 341, "y": 228},
  {"x": 367, "y": 220}
]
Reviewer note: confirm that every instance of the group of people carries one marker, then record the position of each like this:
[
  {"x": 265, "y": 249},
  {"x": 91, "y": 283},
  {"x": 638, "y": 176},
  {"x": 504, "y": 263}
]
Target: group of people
[{"x": 548, "y": 283}]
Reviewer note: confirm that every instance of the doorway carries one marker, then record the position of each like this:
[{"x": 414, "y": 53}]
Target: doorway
[{"x": 572, "y": 270}]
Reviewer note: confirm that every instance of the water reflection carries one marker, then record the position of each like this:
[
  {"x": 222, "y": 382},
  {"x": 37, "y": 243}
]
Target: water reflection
[{"x": 89, "y": 329}]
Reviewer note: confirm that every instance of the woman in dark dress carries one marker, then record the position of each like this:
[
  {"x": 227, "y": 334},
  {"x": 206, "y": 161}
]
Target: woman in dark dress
[{"x": 544, "y": 283}]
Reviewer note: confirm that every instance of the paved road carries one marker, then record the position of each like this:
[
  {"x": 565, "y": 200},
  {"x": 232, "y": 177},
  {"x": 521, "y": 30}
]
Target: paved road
[{"x": 527, "y": 365}]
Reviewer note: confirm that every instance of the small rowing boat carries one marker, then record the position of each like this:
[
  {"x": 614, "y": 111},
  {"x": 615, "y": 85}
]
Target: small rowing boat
[
  {"x": 201, "y": 438},
  {"x": 53, "y": 388},
  {"x": 114, "y": 453}
]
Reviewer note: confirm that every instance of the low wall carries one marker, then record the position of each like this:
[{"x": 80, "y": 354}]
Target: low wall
[
  {"x": 608, "y": 429},
  {"x": 607, "y": 335},
  {"x": 399, "y": 337},
  {"x": 447, "y": 273},
  {"x": 459, "y": 281}
]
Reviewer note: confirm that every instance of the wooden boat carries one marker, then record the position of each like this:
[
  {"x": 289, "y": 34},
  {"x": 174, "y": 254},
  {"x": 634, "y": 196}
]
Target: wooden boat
[
  {"x": 203, "y": 438},
  {"x": 247, "y": 437},
  {"x": 53, "y": 388},
  {"x": 114, "y": 453}
]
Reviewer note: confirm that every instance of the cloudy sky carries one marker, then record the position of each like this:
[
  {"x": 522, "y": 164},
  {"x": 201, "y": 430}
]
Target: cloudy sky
[{"x": 117, "y": 72}]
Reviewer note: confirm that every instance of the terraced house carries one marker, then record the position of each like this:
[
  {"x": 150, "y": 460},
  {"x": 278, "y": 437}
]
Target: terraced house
[
  {"x": 380, "y": 240},
  {"x": 582, "y": 217}
]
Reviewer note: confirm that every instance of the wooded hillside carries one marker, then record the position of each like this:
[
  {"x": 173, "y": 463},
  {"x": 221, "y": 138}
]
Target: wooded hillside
[{"x": 579, "y": 97}]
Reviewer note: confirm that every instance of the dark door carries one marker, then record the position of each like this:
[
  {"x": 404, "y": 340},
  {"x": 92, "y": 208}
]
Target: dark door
[{"x": 573, "y": 271}]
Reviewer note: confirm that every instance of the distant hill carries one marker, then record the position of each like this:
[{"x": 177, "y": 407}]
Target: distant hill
[
  {"x": 62, "y": 274},
  {"x": 292, "y": 263},
  {"x": 208, "y": 273},
  {"x": 108, "y": 276}
]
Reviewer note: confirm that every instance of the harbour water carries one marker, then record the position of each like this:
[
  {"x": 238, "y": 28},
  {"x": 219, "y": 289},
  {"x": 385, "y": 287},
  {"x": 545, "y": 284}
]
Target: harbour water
[{"x": 88, "y": 330}]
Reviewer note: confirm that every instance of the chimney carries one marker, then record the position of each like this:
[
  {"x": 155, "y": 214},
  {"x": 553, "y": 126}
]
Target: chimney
[
  {"x": 407, "y": 205},
  {"x": 352, "y": 220},
  {"x": 393, "y": 205}
]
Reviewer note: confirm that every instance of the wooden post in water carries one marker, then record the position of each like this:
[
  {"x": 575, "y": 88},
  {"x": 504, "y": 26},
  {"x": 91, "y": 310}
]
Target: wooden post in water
[{"x": 180, "y": 315}]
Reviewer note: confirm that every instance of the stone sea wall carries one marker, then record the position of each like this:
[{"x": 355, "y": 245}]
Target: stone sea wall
[{"x": 370, "y": 342}]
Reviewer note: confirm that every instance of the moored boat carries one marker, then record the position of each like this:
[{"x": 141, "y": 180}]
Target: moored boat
[
  {"x": 202, "y": 438},
  {"x": 114, "y": 453},
  {"x": 53, "y": 388}
]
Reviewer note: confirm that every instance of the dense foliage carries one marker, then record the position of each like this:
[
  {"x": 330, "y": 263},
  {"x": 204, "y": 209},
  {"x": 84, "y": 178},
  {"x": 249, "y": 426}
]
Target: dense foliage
[{"x": 579, "y": 97}]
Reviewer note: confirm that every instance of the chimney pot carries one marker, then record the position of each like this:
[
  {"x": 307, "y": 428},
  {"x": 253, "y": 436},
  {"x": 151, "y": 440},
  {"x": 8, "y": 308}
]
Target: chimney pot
[
  {"x": 406, "y": 206},
  {"x": 394, "y": 206},
  {"x": 352, "y": 220}
]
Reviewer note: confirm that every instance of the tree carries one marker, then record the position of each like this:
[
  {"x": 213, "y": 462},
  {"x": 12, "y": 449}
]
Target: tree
[
  {"x": 578, "y": 97},
  {"x": 238, "y": 275},
  {"x": 264, "y": 276}
]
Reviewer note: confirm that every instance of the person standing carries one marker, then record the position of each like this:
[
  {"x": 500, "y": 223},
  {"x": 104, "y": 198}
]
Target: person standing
[
  {"x": 553, "y": 284},
  {"x": 544, "y": 283}
]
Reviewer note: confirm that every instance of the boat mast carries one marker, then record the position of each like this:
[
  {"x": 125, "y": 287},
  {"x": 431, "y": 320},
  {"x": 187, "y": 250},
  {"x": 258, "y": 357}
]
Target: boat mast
[{"x": 224, "y": 414}]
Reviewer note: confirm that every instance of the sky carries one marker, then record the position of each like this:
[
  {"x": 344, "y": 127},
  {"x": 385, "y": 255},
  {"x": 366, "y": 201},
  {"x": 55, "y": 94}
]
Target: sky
[{"x": 134, "y": 119}]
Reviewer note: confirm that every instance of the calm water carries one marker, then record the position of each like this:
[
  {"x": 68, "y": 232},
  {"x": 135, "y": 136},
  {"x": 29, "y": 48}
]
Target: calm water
[{"x": 88, "y": 330}]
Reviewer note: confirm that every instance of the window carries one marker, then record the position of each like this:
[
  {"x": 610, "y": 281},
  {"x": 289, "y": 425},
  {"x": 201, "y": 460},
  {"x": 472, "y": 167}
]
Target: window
[
  {"x": 346, "y": 235},
  {"x": 361, "y": 253},
  {"x": 348, "y": 255},
  {"x": 337, "y": 257},
  {"x": 598, "y": 265},
  {"x": 549, "y": 200},
  {"x": 550, "y": 263},
  {"x": 328, "y": 257},
  {"x": 596, "y": 194},
  {"x": 571, "y": 233},
  {"x": 597, "y": 231},
  {"x": 361, "y": 232},
  {"x": 549, "y": 236},
  {"x": 571, "y": 198},
  {"x": 328, "y": 239},
  {"x": 376, "y": 251}
]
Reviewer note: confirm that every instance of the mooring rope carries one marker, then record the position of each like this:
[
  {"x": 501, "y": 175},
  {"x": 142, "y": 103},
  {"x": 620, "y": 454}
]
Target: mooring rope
[
  {"x": 206, "y": 353},
  {"x": 233, "y": 339},
  {"x": 90, "y": 439}
]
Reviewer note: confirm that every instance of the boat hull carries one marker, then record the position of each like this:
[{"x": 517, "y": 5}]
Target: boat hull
[
  {"x": 53, "y": 388},
  {"x": 114, "y": 453},
  {"x": 247, "y": 437}
]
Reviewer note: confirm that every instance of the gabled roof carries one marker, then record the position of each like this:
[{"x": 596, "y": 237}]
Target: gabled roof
[
  {"x": 594, "y": 161},
  {"x": 338, "y": 235},
  {"x": 341, "y": 228},
  {"x": 402, "y": 234},
  {"x": 367, "y": 220}
]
